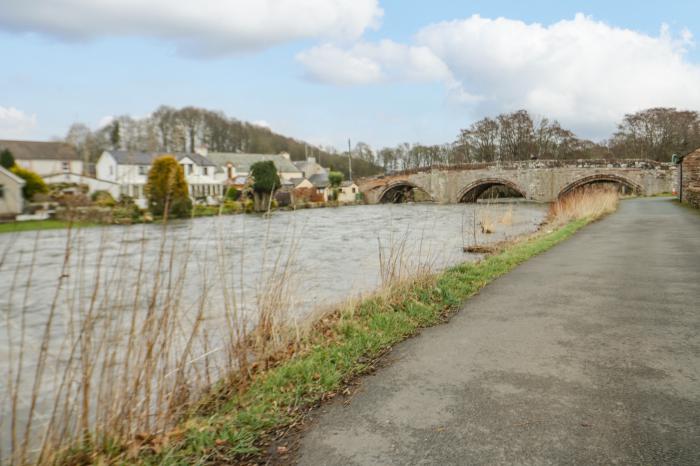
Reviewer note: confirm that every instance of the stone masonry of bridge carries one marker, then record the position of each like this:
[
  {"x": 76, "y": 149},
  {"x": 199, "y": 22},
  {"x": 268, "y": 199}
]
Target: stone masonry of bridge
[{"x": 537, "y": 180}]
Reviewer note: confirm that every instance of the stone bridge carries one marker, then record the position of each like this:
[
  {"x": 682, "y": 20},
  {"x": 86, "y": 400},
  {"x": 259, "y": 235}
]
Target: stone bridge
[{"x": 537, "y": 180}]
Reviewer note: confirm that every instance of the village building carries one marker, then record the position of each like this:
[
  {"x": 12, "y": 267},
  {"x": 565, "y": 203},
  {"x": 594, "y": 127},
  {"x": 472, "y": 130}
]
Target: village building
[
  {"x": 310, "y": 167},
  {"x": 688, "y": 185},
  {"x": 322, "y": 185},
  {"x": 11, "y": 201},
  {"x": 130, "y": 169},
  {"x": 45, "y": 158},
  {"x": 348, "y": 191},
  {"x": 233, "y": 165}
]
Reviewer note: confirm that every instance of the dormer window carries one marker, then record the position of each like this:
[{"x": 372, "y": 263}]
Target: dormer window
[
  {"x": 143, "y": 170},
  {"x": 65, "y": 166}
]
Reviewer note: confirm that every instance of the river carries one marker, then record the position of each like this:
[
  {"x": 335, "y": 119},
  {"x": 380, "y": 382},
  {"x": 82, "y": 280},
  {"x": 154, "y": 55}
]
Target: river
[{"x": 310, "y": 259}]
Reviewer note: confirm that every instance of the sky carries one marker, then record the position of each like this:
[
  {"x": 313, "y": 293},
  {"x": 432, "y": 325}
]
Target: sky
[{"x": 378, "y": 71}]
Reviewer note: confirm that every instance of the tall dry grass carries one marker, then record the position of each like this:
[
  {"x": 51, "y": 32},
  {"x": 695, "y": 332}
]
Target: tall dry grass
[
  {"x": 132, "y": 337},
  {"x": 140, "y": 329},
  {"x": 588, "y": 202}
]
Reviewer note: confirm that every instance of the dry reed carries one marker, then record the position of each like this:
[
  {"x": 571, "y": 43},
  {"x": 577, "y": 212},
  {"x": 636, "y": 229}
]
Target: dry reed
[
  {"x": 126, "y": 346},
  {"x": 587, "y": 202}
]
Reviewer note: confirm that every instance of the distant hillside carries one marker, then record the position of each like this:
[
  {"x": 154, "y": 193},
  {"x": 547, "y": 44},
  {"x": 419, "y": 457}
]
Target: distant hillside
[{"x": 170, "y": 129}]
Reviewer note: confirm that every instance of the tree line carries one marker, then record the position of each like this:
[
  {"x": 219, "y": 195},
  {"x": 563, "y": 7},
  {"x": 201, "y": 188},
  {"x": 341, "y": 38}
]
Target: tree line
[
  {"x": 655, "y": 133},
  {"x": 170, "y": 129}
]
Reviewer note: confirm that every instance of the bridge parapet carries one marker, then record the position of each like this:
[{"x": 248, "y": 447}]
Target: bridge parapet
[{"x": 539, "y": 180}]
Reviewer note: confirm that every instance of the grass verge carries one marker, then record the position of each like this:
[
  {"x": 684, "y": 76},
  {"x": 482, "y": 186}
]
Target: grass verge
[
  {"x": 30, "y": 225},
  {"x": 233, "y": 425}
]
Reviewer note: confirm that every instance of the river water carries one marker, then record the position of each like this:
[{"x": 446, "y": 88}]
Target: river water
[{"x": 311, "y": 258}]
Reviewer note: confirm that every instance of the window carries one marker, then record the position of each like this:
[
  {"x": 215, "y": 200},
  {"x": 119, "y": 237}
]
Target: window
[
  {"x": 111, "y": 169},
  {"x": 353, "y": 190},
  {"x": 66, "y": 166},
  {"x": 190, "y": 169},
  {"x": 143, "y": 170},
  {"x": 2, "y": 191},
  {"x": 204, "y": 171}
]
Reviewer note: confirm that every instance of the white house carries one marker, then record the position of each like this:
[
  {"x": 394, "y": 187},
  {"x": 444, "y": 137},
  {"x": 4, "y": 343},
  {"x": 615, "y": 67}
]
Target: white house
[
  {"x": 11, "y": 201},
  {"x": 347, "y": 191},
  {"x": 45, "y": 158},
  {"x": 233, "y": 165},
  {"x": 130, "y": 169}
]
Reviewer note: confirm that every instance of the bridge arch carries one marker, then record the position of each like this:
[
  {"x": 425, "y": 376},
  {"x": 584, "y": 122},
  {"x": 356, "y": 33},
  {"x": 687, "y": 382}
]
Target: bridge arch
[
  {"x": 401, "y": 191},
  {"x": 473, "y": 191},
  {"x": 602, "y": 178}
]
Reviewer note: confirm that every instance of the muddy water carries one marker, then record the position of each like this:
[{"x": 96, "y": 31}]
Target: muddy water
[{"x": 314, "y": 258}]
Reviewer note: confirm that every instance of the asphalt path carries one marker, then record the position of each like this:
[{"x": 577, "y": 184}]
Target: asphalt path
[{"x": 586, "y": 354}]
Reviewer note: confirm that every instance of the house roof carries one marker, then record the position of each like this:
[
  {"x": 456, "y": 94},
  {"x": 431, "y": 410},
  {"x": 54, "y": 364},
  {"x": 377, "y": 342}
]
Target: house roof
[
  {"x": 12, "y": 176},
  {"x": 347, "y": 184},
  {"x": 297, "y": 181},
  {"x": 309, "y": 167},
  {"x": 126, "y": 157},
  {"x": 242, "y": 162},
  {"x": 320, "y": 180},
  {"x": 40, "y": 150}
]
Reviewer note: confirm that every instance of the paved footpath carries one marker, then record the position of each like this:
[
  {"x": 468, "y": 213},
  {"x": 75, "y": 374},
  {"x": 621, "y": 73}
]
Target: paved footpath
[{"x": 586, "y": 354}]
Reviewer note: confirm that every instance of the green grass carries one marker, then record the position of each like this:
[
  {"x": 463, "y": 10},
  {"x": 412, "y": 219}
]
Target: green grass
[
  {"x": 30, "y": 225},
  {"x": 234, "y": 424}
]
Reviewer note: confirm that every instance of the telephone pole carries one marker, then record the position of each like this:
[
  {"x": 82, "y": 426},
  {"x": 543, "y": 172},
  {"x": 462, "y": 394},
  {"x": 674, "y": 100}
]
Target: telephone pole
[{"x": 349, "y": 160}]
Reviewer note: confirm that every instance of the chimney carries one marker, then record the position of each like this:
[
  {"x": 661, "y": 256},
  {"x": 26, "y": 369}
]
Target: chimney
[
  {"x": 203, "y": 151},
  {"x": 311, "y": 159},
  {"x": 285, "y": 155}
]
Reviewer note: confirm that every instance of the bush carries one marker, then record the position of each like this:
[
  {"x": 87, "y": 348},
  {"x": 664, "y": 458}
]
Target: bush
[
  {"x": 335, "y": 178},
  {"x": 166, "y": 187},
  {"x": 265, "y": 182},
  {"x": 103, "y": 199},
  {"x": 33, "y": 183},
  {"x": 249, "y": 206},
  {"x": 126, "y": 214},
  {"x": 233, "y": 194},
  {"x": 232, "y": 207},
  {"x": 7, "y": 160},
  {"x": 205, "y": 210},
  {"x": 181, "y": 208}
]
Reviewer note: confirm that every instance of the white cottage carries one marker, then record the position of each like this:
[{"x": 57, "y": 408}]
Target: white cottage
[
  {"x": 45, "y": 158},
  {"x": 130, "y": 170},
  {"x": 348, "y": 191},
  {"x": 232, "y": 165}
]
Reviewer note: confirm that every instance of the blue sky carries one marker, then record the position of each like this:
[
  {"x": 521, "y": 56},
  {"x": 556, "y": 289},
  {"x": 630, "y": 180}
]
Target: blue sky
[{"x": 414, "y": 71}]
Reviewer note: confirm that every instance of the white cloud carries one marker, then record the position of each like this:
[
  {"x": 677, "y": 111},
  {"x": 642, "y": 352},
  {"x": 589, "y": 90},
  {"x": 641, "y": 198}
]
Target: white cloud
[
  {"x": 15, "y": 123},
  {"x": 204, "y": 27},
  {"x": 584, "y": 72},
  {"x": 368, "y": 63}
]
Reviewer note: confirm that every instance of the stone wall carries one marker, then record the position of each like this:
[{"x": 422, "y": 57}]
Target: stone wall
[{"x": 690, "y": 189}]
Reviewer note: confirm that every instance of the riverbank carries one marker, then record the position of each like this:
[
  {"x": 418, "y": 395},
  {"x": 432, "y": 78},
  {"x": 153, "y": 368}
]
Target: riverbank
[
  {"x": 240, "y": 419},
  {"x": 50, "y": 224},
  {"x": 231, "y": 208}
]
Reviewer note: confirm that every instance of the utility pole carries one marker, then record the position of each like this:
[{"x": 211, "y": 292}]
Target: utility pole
[{"x": 349, "y": 160}]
